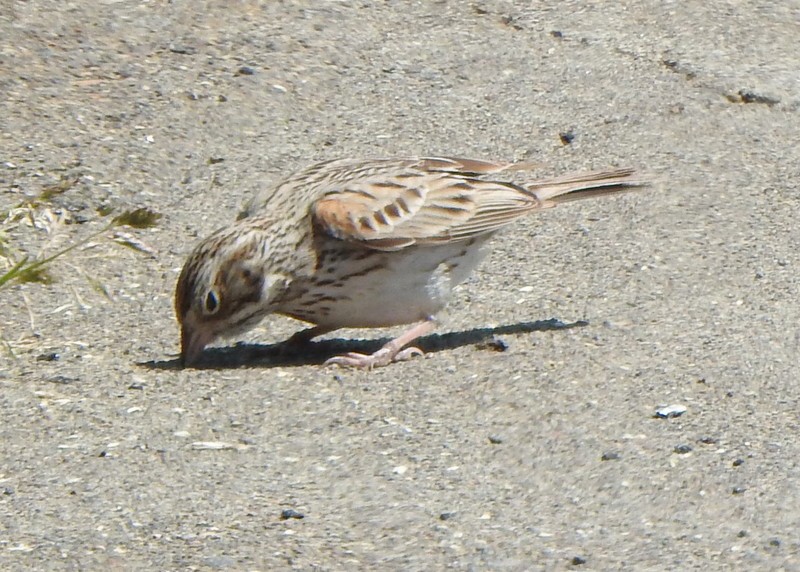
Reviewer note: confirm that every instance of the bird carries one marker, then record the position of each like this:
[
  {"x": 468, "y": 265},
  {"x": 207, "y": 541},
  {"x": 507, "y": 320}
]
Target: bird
[{"x": 363, "y": 243}]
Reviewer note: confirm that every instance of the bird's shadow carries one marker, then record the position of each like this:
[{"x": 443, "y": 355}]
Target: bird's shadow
[{"x": 286, "y": 354}]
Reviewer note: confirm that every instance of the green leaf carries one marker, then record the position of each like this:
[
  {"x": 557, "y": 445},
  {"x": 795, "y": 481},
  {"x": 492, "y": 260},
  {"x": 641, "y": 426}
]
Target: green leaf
[
  {"x": 13, "y": 272},
  {"x": 139, "y": 218},
  {"x": 133, "y": 243},
  {"x": 98, "y": 286},
  {"x": 59, "y": 188},
  {"x": 34, "y": 273},
  {"x": 105, "y": 210},
  {"x": 5, "y": 250}
]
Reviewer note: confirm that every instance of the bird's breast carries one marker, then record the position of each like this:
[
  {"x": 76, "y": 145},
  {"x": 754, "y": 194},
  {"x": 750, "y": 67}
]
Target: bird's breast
[{"x": 362, "y": 288}]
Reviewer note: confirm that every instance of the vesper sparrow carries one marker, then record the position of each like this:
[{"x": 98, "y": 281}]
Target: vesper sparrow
[{"x": 361, "y": 244}]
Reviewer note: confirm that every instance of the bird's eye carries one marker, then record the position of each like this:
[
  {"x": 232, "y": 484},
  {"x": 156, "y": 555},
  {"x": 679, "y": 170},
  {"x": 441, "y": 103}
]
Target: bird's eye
[{"x": 212, "y": 302}]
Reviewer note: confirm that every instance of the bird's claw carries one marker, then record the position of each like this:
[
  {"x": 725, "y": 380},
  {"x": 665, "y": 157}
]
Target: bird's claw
[{"x": 380, "y": 358}]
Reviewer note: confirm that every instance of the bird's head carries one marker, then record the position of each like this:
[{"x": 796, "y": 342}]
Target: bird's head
[{"x": 225, "y": 287}]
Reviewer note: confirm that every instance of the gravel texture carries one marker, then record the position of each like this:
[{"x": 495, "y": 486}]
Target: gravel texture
[{"x": 528, "y": 438}]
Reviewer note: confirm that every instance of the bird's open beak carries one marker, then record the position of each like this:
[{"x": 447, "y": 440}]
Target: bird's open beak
[{"x": 192, "y": 344}]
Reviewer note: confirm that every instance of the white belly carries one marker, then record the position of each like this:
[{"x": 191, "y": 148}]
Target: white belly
[{"x": 412, "y": 285}]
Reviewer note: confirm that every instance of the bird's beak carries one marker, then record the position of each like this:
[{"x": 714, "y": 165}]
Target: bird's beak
[{"x": 192, "y": 343}]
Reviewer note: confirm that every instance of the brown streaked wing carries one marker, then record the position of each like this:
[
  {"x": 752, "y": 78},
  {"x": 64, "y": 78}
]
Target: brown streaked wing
[
  {"x": 462, "y": 166},
  {"x": 430, "y": 201}
]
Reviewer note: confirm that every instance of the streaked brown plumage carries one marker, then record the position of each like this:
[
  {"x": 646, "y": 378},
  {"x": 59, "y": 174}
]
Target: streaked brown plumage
[{"x": 361, "y": 243}]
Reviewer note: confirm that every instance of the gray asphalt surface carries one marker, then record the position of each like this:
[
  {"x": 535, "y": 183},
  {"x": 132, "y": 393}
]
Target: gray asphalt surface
[{"x": 545, "y": 456}]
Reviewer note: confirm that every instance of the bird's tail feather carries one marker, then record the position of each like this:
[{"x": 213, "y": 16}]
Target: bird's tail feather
[{"x": 586, "y": 185}]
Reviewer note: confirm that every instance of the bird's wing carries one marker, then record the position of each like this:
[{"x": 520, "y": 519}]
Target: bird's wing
[{"x": 397, "y": 204}]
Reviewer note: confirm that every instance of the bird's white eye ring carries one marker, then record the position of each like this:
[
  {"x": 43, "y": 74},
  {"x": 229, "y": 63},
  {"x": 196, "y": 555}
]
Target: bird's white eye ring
[{"x": 212, "y": 302}]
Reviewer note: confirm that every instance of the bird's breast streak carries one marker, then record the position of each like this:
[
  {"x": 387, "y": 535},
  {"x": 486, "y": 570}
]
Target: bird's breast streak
[{"x": 411, "y": 286}]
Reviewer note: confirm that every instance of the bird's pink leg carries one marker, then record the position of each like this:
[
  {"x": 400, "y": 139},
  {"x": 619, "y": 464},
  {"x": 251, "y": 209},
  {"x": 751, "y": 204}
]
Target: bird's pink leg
[{"x": 392, "y": 351}]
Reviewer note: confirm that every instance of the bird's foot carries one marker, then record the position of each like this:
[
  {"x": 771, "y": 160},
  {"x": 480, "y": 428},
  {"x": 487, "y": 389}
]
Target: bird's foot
[
  {"x": 380, "y": 358},
  {"x": 391, "y": 352}
]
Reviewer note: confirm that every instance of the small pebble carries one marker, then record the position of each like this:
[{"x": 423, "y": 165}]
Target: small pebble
[
  {"x": 182, "y": 49},
  {"x": 566, "y": 137},
  {"x": 775, "y": 542},
  {"x": 742, "y": 534},
  {"x": 288, "y": 513},
  {"x": 245, "y": 70},
  {"x": 738, "y": 490},
  {"x": 495, "y": 440},
  {"x": 708, "y": 440},
  {"x": 217, "y": 446},
  {"x": 682, "y": 449},
  {"x": 738, "y": 462},
  {"x": 578, "y": 560},
  {"x": 610, "y": 456},
  {"x": 670, "y": 411},
  {"x": 495, "y": 345},
  {"x": 749, "y": 96},
  {"x": 447, "y": 515}
]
